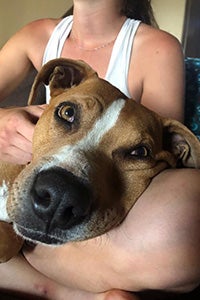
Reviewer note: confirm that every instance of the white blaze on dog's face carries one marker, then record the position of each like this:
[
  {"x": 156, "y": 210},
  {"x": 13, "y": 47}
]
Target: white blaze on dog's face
[
  {"x": 66, "y": 151},
  {"x": 94, "y": 153},
  {"x": 74, "y": 157},
  {"x": 4, "y": 189},
  {"x": 89, "y": 177}
]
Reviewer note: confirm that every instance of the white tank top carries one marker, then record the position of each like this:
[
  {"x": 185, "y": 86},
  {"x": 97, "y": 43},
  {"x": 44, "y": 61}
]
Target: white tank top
[{"x": 117, "y": 72}]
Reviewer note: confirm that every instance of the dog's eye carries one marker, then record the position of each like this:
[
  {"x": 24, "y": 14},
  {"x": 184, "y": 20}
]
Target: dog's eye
[
  {"x": 67, "y": 113},
  {"x": 140, "y": 151}
]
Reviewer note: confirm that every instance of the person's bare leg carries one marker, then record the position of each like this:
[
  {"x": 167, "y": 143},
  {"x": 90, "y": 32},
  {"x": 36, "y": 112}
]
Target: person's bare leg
[
  {"x": 18, "y": 277},
  {"x": 166, "y": 227},
  {"x": 156, "y": 247}
]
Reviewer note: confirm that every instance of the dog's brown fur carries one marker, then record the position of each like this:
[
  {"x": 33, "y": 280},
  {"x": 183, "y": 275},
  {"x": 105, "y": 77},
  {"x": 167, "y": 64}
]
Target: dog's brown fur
[{"x": 135, "y": 149}]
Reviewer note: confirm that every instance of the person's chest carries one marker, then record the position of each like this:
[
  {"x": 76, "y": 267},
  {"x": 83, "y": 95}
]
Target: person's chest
[{"x": 99, "y": 60}]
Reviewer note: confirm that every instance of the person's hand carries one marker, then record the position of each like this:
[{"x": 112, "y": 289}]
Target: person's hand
[{"x": 16, "y": 131}]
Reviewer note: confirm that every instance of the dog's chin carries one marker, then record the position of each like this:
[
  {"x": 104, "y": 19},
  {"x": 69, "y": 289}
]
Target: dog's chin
[
  {"x": 91, "y": 226},
  {"x": 36, "y": 237}
]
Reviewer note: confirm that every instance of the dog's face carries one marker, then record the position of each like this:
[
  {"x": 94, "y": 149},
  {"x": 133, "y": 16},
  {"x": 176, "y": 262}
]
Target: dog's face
[{"x": 95, "y": 152}]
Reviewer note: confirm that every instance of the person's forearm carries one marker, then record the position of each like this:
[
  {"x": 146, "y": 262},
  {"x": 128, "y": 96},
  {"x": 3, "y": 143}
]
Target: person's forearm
[{"x": 18, "y": 277}]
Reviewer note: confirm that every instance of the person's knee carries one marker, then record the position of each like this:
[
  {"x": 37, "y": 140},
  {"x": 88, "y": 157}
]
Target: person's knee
[
  {"x": 166, "y": 254},
  {"x": 178, "y": 263}
]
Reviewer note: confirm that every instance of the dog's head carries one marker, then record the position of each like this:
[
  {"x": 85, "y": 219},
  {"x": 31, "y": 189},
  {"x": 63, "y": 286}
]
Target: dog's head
[{"x": 95, "y": 152}]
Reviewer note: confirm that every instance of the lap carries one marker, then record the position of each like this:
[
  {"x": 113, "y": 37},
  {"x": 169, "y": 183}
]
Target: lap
[{"x": 157, "y": 246}]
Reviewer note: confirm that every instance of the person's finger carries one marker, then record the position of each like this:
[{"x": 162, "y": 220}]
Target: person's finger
[
  {"x": 26, "y": 125},
  {"x": 16, "y": 156},
  {"x": 26, "y": 129},
  {"x": 22, "y": 143},
  {"x": 36, "y": 110}
]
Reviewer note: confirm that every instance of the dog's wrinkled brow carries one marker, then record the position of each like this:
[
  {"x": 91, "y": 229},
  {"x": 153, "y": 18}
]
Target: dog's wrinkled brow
[
  {"x": 92, "y": 139},
  {"x": 102, "y": 125}
]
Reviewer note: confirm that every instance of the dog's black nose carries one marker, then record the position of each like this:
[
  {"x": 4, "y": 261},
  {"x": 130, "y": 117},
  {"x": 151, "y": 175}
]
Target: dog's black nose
[{"x": 60, "y": 199}]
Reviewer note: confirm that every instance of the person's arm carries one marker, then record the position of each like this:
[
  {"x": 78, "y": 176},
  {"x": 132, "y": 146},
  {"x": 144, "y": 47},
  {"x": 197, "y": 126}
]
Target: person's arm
[
  {"x": 158, "y": 63},
  {"x": 21, "y": 279},
  {"x": 23, "y": 51},
  {"x": 152, "y": 249},
  {"x": 14, "y": 62}
]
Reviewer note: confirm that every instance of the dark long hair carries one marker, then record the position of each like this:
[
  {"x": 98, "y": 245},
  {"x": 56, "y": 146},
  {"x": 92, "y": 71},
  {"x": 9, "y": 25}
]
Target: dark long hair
[
  {"x": 133, "y": 9},
  {"x": 139, "y": 10}
]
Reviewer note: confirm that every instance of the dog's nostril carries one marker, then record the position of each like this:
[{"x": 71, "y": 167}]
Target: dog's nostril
[
  {"x": 66, "y": 215},
  {"x": 42, "y": 198},
  {"x": 59, "y": 198}
]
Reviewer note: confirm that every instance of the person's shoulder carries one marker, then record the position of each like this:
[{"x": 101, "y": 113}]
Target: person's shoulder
[
  {"x": 33, "y": 37},
  {"x": 30, "y": 41},
  {"x": 39, "y": 27},
  {"x": 157, "y": 41}
]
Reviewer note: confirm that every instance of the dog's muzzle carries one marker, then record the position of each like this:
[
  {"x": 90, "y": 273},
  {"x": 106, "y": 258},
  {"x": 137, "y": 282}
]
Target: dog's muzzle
[
  {"x": 59, "y": 202},
  {"x": 60, "y": 199}
]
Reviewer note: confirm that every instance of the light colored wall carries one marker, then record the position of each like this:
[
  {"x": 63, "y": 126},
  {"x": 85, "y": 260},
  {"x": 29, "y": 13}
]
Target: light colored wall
[
  {"x": 170, "y": 15},
  {"x": 16, "y": 13}
]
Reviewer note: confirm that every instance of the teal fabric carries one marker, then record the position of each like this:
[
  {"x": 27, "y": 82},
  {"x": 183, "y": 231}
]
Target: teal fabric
[{"x": 192, "y": 95}]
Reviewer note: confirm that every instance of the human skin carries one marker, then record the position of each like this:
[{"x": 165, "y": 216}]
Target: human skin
[
  {"x": 155, "y": 52},
  {"x": 150, "y": 249}
]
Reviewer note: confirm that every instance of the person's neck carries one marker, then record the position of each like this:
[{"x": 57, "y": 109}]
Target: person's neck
[{"x": 95, "y": 22}]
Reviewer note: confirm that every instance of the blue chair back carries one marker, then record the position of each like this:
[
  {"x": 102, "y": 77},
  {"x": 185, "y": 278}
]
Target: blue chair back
[{"x": 192, "y": 95}]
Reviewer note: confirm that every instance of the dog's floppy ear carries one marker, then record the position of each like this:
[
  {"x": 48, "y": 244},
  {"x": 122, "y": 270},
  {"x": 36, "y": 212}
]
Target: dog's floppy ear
[
  {"x": 179, "y": 140},
  {"x": 61, "y": 74}
]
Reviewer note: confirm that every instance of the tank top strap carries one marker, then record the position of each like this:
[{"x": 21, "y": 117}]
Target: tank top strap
[
  {"x": 118, "y": 67},
  {"x": 117, "y": 72},
  {"x": 56, "y": 42}
]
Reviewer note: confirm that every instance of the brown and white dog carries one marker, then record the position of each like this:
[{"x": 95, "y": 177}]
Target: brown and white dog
[{"x": 94, "y": 154}]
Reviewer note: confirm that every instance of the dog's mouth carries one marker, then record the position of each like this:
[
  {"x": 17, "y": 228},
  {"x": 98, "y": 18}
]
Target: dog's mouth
[
  {"x": 34, "y": 236},
  {"x": 60, "y": 207},
  {"x": 58, "y": 203},
  {"x": 94, "y": 224}
]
